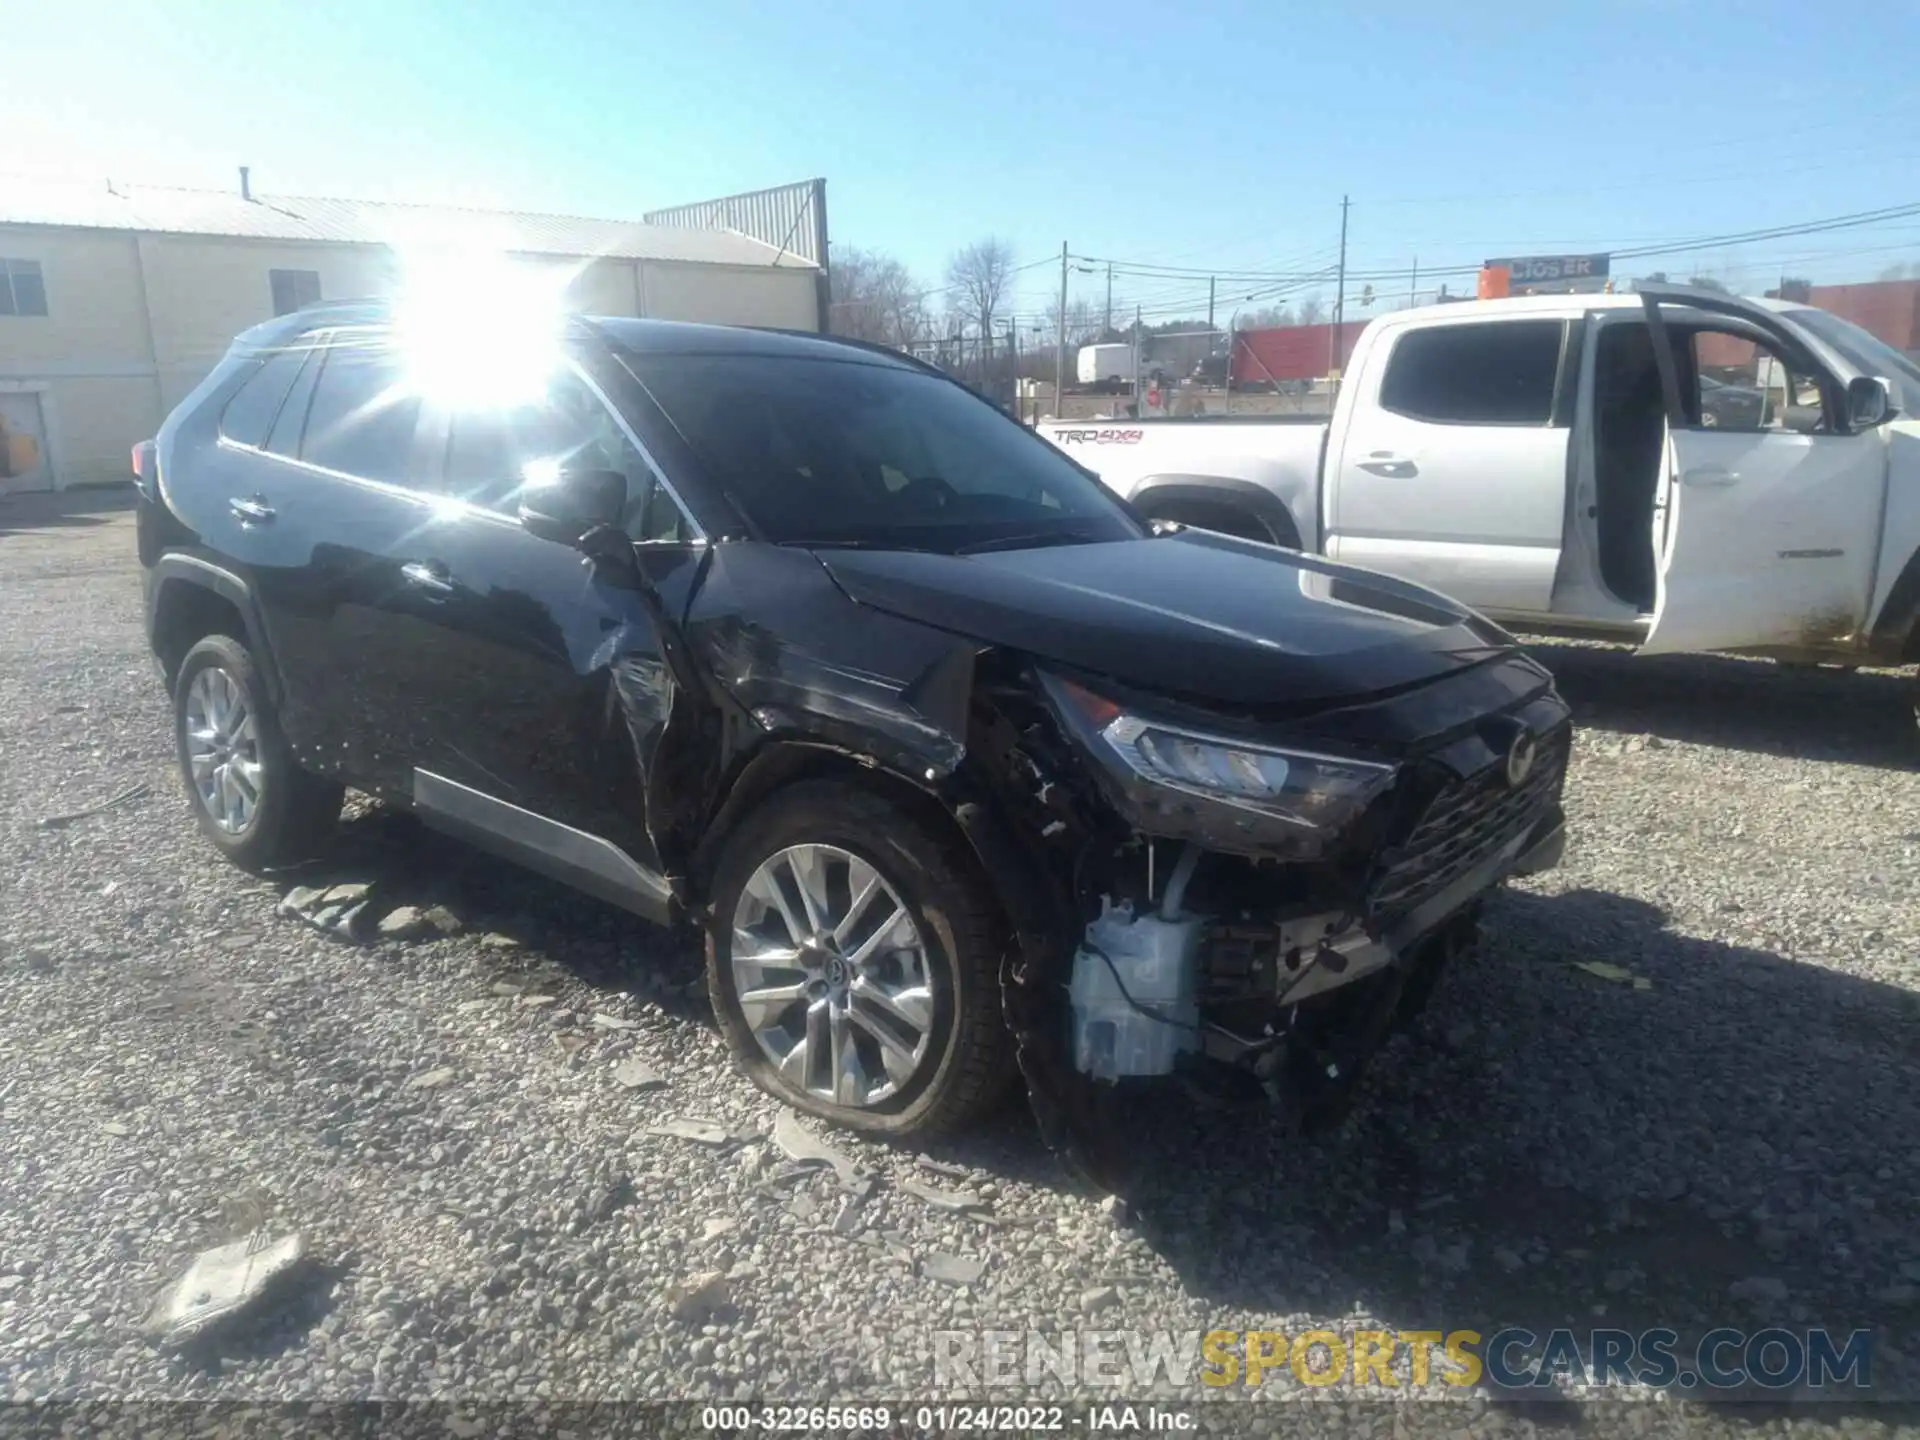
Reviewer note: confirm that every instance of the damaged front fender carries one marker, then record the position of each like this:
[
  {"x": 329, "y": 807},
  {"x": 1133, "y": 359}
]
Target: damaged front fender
[{"x": 796, "y": 673}]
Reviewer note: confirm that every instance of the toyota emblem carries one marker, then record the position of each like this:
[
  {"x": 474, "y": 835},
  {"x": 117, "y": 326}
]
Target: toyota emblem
[{"x": 1520, "y": 757}]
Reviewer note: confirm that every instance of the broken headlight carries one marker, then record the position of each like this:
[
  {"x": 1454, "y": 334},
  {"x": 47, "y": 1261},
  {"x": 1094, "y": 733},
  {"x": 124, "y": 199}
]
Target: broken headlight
[{"x": 1300, "y": 788}]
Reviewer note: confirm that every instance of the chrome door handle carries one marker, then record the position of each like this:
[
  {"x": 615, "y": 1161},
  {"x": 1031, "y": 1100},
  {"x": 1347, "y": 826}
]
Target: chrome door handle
[
  {"x": 1385, "y": 462},
  {"x": 426, "y": 577},
  {"x": 1709, "y": 475},
  {"x": 250, "y": 512}
]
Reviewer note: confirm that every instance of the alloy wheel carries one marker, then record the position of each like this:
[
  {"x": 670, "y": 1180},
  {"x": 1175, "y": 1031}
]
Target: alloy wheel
[
  {"x": 223, "y": 749},
  {"x": 832, "y": 976}
]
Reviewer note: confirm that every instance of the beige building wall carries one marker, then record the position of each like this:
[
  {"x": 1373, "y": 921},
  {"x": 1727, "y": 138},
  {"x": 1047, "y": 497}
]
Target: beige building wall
[
  {"x": 726, "y": 295},
  {"x": 134, "y": 322},
  {"x": 604, "y": 287},
  {"x": 95, "y": 423},
  {"x": 86, "y": 361},
  {"x": 204, "y": 290}
]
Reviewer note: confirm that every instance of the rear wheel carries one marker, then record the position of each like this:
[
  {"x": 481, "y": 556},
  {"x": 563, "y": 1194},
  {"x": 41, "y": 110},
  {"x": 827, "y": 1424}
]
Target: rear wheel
[
  {"x": 853, "y": 962},
  {"x": 249, "y": 797}
]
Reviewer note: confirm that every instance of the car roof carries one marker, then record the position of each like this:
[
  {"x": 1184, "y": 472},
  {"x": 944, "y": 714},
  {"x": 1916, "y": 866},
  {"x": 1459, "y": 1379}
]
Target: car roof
[
  {"x": 679, "y": 337},
  {"x": 637, "y": 337},
  {"x": 1559, "y": 305}
]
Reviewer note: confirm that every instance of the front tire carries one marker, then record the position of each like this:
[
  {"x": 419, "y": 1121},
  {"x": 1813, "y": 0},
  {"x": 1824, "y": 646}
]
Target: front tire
[
  {"x": 853, "y": 962},
  {"x": 249, "y": 797}
]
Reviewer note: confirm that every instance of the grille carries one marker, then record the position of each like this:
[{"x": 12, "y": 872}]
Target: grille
[{"x": 1464, "y": 824}]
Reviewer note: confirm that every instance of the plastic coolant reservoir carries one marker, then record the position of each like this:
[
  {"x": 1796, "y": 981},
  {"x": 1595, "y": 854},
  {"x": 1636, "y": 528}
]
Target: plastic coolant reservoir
[{"x": 1156, "y": 960}]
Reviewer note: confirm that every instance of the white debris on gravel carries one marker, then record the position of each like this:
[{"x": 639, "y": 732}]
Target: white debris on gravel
[
  {"x": 222, "y": 1285},
  {"x": 638, "y": 1075},
  {"x": 1752, "y": 1120}
]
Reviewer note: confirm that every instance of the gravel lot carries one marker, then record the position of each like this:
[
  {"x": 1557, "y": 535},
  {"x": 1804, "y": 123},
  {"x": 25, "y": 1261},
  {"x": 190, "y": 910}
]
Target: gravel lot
[{"x": 1737, "y": 1141}]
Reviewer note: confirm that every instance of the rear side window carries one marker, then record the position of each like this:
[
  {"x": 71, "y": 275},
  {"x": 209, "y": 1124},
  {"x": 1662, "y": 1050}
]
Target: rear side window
[
  {"x": 1491, "y": 373},
  {"x": 284, "y": 439},
  {"x": 362, "y": 418},
  {"x": 250, "y": 414}
]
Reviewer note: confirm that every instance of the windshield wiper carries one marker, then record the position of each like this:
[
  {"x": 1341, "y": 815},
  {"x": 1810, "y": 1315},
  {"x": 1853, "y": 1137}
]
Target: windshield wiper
[{"x": 1034, "y": 541}]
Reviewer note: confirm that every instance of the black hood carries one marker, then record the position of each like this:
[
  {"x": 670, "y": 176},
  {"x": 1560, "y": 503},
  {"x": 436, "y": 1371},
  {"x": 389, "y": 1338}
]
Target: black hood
[{"x": 1193, "y": 614}]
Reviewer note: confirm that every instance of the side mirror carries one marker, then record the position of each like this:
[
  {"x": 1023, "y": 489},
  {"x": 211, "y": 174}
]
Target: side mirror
[
  {"x": 1869, "y": 402},
  {"x": 573, "y": 503}
]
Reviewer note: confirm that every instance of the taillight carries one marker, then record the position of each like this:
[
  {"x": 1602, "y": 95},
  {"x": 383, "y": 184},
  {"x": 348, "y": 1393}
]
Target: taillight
[{"x": 146, "y": 466}]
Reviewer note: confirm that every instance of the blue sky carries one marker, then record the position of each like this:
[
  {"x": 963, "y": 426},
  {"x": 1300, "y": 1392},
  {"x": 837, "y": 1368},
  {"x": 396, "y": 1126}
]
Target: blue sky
[{"x": 1204, "y": 135}]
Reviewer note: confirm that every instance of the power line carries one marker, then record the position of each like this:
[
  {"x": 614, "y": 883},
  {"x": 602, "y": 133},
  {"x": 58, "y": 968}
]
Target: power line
[
  {"x": 1177, "y": 294},
  {"x": 1851, "y": 221}
]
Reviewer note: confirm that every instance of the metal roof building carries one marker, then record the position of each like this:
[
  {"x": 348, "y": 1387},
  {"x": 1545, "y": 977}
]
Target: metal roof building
[{"x": 115, "y": 300}]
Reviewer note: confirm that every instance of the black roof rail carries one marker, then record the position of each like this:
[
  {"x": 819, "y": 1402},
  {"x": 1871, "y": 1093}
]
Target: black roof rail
[{"x": 872, "y": 347}]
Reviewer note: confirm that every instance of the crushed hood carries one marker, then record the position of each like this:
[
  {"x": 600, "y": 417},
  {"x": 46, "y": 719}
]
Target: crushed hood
[{"x": 1196, "y": 614}]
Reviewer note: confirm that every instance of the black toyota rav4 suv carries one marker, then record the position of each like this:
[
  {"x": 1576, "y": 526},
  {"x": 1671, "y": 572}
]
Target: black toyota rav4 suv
[{"x": 966, "y": 771}]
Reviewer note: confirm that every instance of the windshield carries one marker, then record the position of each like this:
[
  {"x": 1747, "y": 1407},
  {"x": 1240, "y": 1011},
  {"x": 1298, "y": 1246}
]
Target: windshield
[
  {"x": 1866, "y": 354},
  {"x": 833, "y": 452}
]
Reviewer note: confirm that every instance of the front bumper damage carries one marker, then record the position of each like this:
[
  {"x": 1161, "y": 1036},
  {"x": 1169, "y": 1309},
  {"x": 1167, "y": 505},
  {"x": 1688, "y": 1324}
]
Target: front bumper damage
[
  {"x": 1305, "y": 964},
  {"x": 1355, "y": 953},
  {"x": 1339, "y": 1007}
]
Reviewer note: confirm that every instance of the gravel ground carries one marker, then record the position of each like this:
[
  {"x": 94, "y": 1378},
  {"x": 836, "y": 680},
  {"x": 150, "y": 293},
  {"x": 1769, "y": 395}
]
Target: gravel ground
[{"x": 1724, "y": 1130}]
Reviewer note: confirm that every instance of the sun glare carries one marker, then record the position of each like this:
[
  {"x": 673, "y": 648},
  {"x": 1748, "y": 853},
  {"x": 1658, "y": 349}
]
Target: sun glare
[{"x": 478, "y": 329}]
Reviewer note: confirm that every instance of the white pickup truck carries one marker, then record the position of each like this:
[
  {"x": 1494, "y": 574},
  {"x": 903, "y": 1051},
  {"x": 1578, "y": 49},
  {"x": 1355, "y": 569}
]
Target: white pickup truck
[{"x": 1677, "y": 467}]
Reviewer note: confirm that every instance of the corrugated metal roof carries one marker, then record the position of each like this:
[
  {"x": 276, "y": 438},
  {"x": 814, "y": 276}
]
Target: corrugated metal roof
[
  {"x": 790, "y": 216},
  {"x": 163, "y": 210}
]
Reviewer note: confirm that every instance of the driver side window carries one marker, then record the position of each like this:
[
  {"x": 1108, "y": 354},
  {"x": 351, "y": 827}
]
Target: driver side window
[
  {"x": 1732, "y": 382},
  {"x": 493, "y": 453}
]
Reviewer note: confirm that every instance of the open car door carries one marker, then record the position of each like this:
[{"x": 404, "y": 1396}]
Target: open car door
[{"x": 1766, "y": 535}]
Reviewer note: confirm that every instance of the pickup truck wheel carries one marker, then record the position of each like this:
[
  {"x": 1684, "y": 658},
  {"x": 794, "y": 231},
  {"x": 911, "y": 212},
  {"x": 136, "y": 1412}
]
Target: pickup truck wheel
[
  {"x": 853, "y": 962},
  {"x": 249, "y": 797}
]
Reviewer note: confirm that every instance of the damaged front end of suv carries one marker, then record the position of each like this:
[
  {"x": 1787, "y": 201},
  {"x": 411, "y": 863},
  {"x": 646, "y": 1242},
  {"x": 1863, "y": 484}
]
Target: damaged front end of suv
[{"x": 1255, "y": 903}]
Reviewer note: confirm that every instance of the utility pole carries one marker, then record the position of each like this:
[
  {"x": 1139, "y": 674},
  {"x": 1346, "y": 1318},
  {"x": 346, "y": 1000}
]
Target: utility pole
[
  {"x": 1210, "y": 283},
  {"x": 1013, "y": 349},
  {"x": 1060, "y": 349},
  {"x": 1413, "y": 285},
  {"x": 1109, "y": 320},
  {"x": 1137, "y": 397},
  {"x": 1339, "y": 300}
]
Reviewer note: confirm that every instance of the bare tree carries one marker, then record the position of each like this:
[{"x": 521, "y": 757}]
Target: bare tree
[
  {"x": 1312, "y": 310},
  {"x": 876, "y": 298},
  {"x": 1265, "y": 318},
  {"x": 980, "y": 274},
  {"x": 1082, "y": 324},
  {"x": 1707, "y": 282}
]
